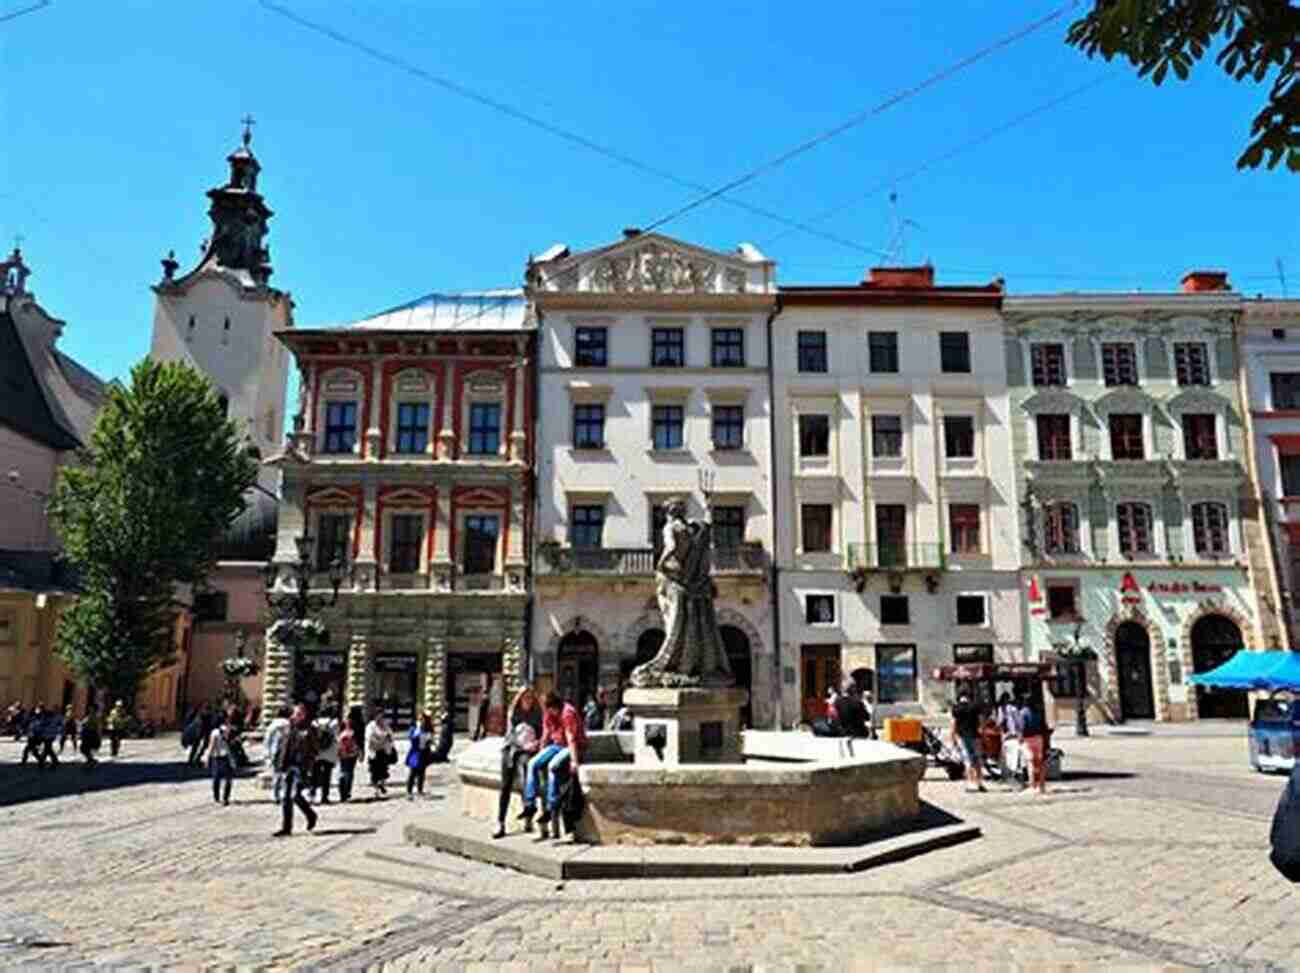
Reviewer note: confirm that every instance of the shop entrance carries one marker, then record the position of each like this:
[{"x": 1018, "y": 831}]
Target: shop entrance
[
  {"x": 576, "y": 668},
  {"x": 1215, "y": 640},
  {"x": 317, "y": 674},
  {"x": 471, "y": 675},
  {"x": 821, "y": 671},
  {"x": 1133, "y": 662},
  {"x": 736, "y": 644},
  {"x": 396, "y": 676}
]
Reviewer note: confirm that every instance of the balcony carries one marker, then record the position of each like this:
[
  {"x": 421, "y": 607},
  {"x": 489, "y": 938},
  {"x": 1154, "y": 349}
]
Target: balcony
[
  {"x": 897, "y": 557},
  {"x": 554, "y": 559}
]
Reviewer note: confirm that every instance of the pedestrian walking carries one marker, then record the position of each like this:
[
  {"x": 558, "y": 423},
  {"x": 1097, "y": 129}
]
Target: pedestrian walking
[
  {"x": 115, "y": 724},
  {"x": 297, "y": 759},
  {"x": 69, "y": 731},
  {"x": 419, "y": 755},
  {"x": 523, "y": 738},
  {"x": 221, "y": 761},
  {"x": 1035, "y": 733},
  {"x": 328, "y": 728},
  {"x": 198, "y": 731},
  {"x": 34, "y": 729},
  {"x": 965, "y": 732},
  {"x": 276, "y": 733},
  {"x": 484, "y": 704},
  {"x": 352, "y": 729},
  {"x": 1008, "y": 717},
  {"x": 90, "y": 736},
  {"x": 380, "y": 752}
]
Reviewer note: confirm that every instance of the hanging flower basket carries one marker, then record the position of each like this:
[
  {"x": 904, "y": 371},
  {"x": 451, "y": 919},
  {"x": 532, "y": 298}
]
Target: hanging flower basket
[
  {"x": 298, "y": 632},
  {"x": 240, "y": 667}
]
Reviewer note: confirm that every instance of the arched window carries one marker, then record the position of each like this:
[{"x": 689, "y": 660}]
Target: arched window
[
  {"x": 1061, "y": 528},
  {"x": 1210, "y": 529}
]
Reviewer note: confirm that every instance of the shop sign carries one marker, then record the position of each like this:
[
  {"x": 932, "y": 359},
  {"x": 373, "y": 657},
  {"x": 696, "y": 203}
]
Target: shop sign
[
  {"x": 395, "y": 663},
  {"x": 1130, "y": 591},
  {"x": 321, "y": 661},
  {"x": 971, "y": 654}
]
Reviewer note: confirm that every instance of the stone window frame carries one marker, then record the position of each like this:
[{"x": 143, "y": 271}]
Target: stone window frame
[
  {"x": 355, "y": 394},
  {"x": 826, "y": 405},
  {"x": 730, "y": 396},
  {"x": 425, "y": 395},
  {"x": 976, "y": 410},
  {"x": 831, "y": 596},
  {"x": 483, "y": 395},
  {"x": 987, "y": 601},
  {"x": 1027, "y": 356},
  {"x": 673, "y": 395},
  {"x": 586, "y": 393},
  {"x": 1083, "y": 529},
  {"x": 1159, "y": 542},
  {"x": 1198, "y": 400},
  {"x": 817, "y": 501},
  {"x": 1054, "y": 400},
  {"x": 465, "y": 511},
  {"x": 899, "y": 406},
  {"x": 334, "y": 500},
  {"x": 1227, "y": 496},
  {"x": 983, "y": 516},
  {"x": 1126, "y": 400},
  {"x": 404, "y": 503}
]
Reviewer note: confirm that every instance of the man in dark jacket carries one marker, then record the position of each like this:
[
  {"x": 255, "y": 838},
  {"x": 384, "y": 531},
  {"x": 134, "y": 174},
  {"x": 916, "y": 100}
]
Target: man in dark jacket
[
  {"x": 850, "y": 713},
  {"x": 296, "y": 759}
]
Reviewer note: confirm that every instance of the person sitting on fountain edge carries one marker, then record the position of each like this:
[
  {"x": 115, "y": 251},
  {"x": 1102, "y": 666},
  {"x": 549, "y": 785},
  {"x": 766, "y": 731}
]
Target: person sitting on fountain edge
[{"x": 564, "y": 740}]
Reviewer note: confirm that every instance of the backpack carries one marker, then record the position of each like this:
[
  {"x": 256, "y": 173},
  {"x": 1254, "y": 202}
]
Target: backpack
[{"x": 191, "y": 734}]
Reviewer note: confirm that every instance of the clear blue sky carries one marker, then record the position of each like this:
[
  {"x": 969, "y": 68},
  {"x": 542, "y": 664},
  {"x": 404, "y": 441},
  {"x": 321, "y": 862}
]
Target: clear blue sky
[{"x": 117, "y": 118}]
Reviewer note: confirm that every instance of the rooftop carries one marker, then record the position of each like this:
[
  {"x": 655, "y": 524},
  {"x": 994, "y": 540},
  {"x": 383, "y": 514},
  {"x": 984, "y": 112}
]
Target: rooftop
[{"x": 505, "y": 309}]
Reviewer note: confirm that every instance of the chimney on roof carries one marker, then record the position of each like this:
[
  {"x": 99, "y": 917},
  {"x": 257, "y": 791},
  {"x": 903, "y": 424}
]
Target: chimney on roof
[
  {"x": 901, "y": 277},
  {"x": 631, "y": 231},
  {"x": 1195, "y": 281}
]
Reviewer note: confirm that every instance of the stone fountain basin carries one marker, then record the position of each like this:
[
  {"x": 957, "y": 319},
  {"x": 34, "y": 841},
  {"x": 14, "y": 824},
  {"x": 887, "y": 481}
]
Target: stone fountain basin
[{"x": 793, "y": 789}]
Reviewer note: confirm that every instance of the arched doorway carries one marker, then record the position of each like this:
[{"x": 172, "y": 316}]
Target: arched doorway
[
  {"x": 1215, "y": 640},
  {"x": 576, "y": 667},
  {"x": 1133, "y": 665},
  {"x": 736, "y": 644}
]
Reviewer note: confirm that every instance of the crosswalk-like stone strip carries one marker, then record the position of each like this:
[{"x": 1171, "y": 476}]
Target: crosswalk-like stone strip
[
  {"x": 410, "y": 938},
  {"x": 1134, "y": 942}
]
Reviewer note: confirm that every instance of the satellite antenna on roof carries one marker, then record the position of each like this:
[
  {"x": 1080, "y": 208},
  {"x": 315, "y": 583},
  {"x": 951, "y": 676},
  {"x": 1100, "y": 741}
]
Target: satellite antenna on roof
[{"x": 896, "y": 250}]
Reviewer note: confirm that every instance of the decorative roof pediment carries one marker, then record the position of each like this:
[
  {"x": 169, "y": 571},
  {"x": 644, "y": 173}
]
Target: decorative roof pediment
[
  {"x": 1128, "y": 398},
  {"x": 1198, "y": 399},
  {"x": 652, "y": 263},
  {"x": 1053, "y": 400}
]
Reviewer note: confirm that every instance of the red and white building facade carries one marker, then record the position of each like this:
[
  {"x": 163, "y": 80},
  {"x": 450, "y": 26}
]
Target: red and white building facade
[{"x": 410, "y": 461}]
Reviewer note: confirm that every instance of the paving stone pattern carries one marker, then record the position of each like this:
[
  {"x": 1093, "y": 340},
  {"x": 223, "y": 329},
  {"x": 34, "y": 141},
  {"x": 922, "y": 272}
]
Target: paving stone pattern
[{"x": 1152, "y": 856}]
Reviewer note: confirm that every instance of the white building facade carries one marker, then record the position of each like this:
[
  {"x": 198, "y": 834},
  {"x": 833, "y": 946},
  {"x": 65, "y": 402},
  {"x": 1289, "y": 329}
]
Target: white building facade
[
  {"x": 653, "y": 384},
  {"x": 896, "y": 544}
]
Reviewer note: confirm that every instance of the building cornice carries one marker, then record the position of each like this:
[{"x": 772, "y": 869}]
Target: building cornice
[{"x": 607, "y": 302}]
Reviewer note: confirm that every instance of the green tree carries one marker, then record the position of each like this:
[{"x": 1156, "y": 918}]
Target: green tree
[
  {"x": 164, "y": 473},
  {"x": 1259, "y": 38}
]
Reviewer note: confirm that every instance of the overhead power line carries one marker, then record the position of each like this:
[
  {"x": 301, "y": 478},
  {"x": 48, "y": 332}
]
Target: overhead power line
[
  {"x": 15, "y": 14},
  {"x": 855, "y": 120},
  {"x": 945, "y": 156}
]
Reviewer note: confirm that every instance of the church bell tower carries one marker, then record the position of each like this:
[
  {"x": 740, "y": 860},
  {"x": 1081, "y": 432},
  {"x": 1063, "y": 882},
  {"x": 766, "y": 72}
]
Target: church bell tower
[{"x": 221, "y": 316}]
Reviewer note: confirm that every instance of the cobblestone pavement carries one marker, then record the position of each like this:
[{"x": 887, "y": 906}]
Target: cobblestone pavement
[{"x": 1153, "y": 855}]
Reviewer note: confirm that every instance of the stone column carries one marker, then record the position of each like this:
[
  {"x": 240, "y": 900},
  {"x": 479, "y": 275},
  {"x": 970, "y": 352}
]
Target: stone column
[
  {"x": 366, "y": 577},
  {"x": 440, "y": 563},
  {"x": 512, "y": 667},
  {"x": 358, "y": 678},
  {"x": 514, "y": 562},
  {"x": 277, "y": 680},
  {"x": 435, "y": 679}
]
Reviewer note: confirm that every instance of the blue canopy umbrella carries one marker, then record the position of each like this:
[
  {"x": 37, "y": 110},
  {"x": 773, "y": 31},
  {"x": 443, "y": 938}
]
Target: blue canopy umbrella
[{"x": 1254, "y": 670}]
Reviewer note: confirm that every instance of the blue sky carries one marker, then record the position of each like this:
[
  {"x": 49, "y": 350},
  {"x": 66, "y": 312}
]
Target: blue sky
[{"x": 118, "y": 116}]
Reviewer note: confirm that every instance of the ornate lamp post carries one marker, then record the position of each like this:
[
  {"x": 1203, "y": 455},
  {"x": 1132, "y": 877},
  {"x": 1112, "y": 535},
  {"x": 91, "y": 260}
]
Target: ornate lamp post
[
  {"x": 238, "y": 667},
  {"x": 1079, "y": 656},
  {"x": 296, "y": 604}
]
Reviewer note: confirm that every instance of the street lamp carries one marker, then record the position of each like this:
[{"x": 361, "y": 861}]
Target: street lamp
[
  {"x": 298, "y": 603},
  {"x": 1079, "y": 656}
]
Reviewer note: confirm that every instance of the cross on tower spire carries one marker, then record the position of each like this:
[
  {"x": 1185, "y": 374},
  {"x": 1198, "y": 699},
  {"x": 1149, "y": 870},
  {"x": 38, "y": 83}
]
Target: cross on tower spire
[{"x": 248, "y": 121}]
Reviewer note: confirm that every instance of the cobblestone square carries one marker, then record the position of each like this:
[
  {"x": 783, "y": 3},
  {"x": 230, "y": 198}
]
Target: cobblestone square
[{"x": 1152, "y": 854}]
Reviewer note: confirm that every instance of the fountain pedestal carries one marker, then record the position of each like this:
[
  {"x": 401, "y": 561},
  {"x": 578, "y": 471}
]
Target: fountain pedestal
[{"x": 693, "y": 725}]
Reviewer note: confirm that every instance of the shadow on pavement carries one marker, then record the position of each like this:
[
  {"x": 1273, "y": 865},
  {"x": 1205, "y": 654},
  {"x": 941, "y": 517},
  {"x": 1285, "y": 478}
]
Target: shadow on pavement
[
  {"x": 22, "y": 783},
  {"x": 1068, "y": 775}
]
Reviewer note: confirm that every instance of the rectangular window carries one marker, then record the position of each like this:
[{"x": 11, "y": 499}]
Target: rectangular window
[
  {"x": 728, "y": 528},
  {"x": 586, "y": 525},
  {"x": 1119, "y": 363},
  {"x": 589, "y": 426},
  {"x": 964, "y": 527},
  {"x": 819, "y": 609},
  {"x": 814, "y": 435},
  {"x": 1061, "y": 528},
  {"x": 667, "y": 347},
  {"x": 1047, "y": 363},
  {"x": 896, "y": 673},
  {"x": 1290, "y": 467},
  {"x": 883, "y": 349},
  {"x": 954, "y": 351},
  {"x": 812, "y": 351},
  {"x": 590, "y": 347},
  {"x": 1199, "y": 438},
  {"x": 1134, "y": 520},
  {"x": 404, "y": 548},
  {"x": 1286, "y": 389},
  {"x": 667, "y": 420},
  {"x": 335, "y": 532},
  {"x": 887, "y": 437},
  {"x": 1210, "y": 528},
  {"x": 340, "y": 427},
  {"x": 728, "y": 348},
  {"x": 815, "y": 521},
  {"x": 891, "y": 534},
  {"x": 481, "y": 532},
  {"x": 971, "y": 610},
  {"x": 1054, "y": 437},
  {"x": 1126, "y": 437},
  {"x": 484, "y": 428},
  {"x": 412, "y": 427},
  {"x": 1061, "y": 604},
  {"x": 895, "y": 610},
  {"x": 728, "y": 426},
  {"x": 959, "y": 437},
  {"x": 1191, "y": 363}
]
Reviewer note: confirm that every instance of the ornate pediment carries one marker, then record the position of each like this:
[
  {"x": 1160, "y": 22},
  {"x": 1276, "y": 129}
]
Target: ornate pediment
[
  {"x": 1128, "y": 398},
  {"x": 651, "y": 264},
  {"x": 1053, "y": 401},
  {"x": 1197, "y": 400}
]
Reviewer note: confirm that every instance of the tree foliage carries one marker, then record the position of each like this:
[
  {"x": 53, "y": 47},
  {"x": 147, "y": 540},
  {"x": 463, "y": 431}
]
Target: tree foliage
[
  {"x": 164, "y": 473},
  {"x": 1260, "y": 39}
]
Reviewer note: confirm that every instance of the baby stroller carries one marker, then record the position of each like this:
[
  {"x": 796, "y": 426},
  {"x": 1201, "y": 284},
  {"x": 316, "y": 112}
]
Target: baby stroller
[{"x": 940, "y": 754}]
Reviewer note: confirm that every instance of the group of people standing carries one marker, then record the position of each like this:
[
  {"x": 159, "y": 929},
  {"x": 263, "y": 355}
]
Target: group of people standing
[
  {"x": 1008, "y": 733},
  {"x": 41, "y": 727}
]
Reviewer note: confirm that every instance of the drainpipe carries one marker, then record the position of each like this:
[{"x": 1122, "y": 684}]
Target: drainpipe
[{"x": 772, "y": 468}]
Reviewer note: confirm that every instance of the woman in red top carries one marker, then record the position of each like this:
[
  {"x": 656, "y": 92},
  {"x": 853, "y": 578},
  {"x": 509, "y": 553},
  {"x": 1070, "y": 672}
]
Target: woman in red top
[{"x": 564, "y": 738}]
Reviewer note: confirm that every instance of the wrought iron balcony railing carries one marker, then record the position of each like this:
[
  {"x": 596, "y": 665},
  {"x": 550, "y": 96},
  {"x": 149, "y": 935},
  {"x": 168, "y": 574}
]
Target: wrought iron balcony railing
[
  {"x": 897, "y": 557},
  {"x": 553, "y": 558}
]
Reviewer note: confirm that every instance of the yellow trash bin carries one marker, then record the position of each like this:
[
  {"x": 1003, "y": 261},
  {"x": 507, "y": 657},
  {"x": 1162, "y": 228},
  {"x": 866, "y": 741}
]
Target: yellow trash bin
[{"x": 902, "y": 729}]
